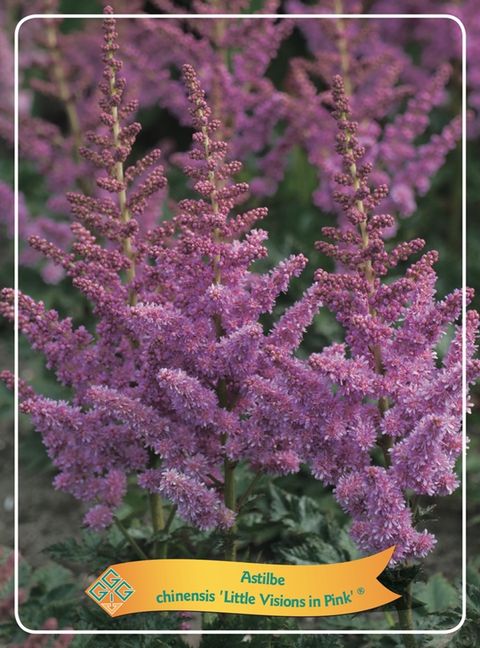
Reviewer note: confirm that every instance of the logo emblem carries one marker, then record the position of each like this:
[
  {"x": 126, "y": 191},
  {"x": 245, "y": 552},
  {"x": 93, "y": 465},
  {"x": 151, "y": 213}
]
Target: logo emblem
[{"x": 110, "y": 591}]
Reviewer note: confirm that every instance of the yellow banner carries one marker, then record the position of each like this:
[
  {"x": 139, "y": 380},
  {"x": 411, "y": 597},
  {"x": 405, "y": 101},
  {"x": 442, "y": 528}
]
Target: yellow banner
[{"x": 243, "y": 588}]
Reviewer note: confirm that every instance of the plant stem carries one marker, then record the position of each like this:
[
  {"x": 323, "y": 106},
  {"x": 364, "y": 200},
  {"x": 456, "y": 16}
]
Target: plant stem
[
  {"x": 224, "y": 398},
  {"x": 125, "y": 215},
  {"x": 66, "y": 96},
  {"x": 405, "y": 616},
  {"x": 159, "y": 550},
  {"x": 156, "y": 506},
  {"x": 242, "y": 500},
  {"x": 58, "y": 72},
  {"x": 141, "y": 554},
  {"x": 162, "y": 546},
  {"x": 229, "y": 494},
  {"x": 171, "y": 517},
  {"x": 385, "y": 442},
  {"x": 218, "y": 33},
  {"x": 343, "y": 49}
]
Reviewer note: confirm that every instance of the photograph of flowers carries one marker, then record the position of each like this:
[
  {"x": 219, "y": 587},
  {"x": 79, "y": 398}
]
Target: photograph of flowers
[{"x": 247, "y": 327}]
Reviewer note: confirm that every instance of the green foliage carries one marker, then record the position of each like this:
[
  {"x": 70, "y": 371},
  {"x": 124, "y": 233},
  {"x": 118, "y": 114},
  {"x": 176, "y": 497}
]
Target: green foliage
[
  {"x": 93, "y": 549},
  {"x": 288, "y": 528},
  {"x": 437, "y": 594},
  {"x": 50, "y": 591}
]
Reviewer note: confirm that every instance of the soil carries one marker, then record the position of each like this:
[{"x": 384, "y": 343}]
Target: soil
[{"x": 46, "y": 516}]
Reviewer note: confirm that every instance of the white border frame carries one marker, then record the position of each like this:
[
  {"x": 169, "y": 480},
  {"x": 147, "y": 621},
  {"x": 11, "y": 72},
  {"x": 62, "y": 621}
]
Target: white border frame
[{"x": 464, "y": 308}]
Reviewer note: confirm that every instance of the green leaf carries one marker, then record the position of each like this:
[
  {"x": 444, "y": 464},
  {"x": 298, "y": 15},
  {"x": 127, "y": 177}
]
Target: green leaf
[
  {"x": 437, "y": 594},
  {"x": 313, "y": 551},
  {"x": 51, "y": 576}
]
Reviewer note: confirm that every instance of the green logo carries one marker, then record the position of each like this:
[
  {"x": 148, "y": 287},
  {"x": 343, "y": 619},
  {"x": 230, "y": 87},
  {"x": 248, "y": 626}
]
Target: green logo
[{"x": 110, "y": 591}]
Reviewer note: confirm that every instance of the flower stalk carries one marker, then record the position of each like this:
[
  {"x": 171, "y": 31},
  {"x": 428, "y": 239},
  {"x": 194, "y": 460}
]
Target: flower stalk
[
  {"x": 382, "y": 402},
  {"x": 405, "y": 616},
  {"x": 130, "y": 539}
]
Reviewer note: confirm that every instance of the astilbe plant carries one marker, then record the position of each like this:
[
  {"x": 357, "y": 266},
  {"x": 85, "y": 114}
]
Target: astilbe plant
[
  {"x": 379, "y": 75},
  {"x": 51, "y": 150},
  {"x": 231, "y": 57},
  {"x": 66, "y": 72},
  {"x": 380, "y": 415},
  {"x": 178, "y": 383},
  {"x": 159, "y": 388},
  {"x": 260, "y": 120},
  {"x": 392, "y": 330},
  {"x": 442, "y": 43}
]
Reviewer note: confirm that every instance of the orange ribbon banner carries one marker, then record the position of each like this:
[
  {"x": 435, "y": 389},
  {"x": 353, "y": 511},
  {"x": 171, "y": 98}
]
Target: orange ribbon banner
[{"x": 243, "y": 588}]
